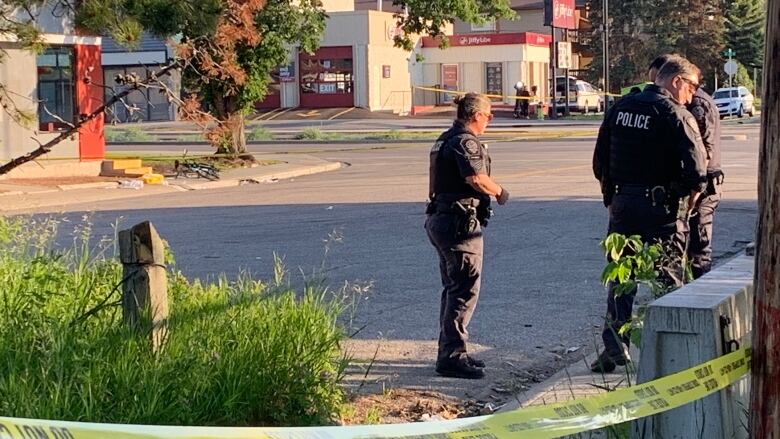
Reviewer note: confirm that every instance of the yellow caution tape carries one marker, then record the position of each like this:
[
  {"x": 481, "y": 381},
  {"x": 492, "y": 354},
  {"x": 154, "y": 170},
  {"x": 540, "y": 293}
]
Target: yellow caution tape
[
  {"x": 536, "y": 422},
  {"x": 461, "y": 92}
]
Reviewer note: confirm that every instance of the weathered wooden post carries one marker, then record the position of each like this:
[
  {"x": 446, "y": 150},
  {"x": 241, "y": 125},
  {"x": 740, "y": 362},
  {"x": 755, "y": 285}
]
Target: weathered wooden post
[
  {"x": 765, "y": 384},
  {"x": 145, "y": 289}
]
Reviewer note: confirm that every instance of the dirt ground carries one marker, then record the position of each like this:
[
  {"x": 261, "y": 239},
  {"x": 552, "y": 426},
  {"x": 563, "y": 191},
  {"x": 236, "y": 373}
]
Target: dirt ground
[{"x": 399, "y": 386}]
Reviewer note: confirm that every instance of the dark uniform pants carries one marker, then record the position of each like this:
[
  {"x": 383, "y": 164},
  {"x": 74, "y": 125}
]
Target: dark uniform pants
[
  {"x": 460, "y": 264},
  {"x": 635, "y": 215},
  {"x": 700, "y": 245}
]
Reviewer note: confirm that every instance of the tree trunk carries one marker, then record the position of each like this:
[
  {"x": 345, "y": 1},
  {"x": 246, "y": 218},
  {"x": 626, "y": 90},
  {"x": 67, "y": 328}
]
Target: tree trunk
[
  {"x": 231, "y": 136},
  {"x": 238, "y": 132},
  {"x": 765, "y": 385}
]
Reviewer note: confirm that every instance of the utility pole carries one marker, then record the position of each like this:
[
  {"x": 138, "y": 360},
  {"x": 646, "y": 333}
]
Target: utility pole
[
  {"x": 765, "y": 364},
  {"x": 554, "y": 81}
]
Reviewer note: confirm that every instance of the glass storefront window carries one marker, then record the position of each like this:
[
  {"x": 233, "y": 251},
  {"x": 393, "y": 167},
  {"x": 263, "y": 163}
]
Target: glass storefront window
[
  {"x": 327, "y": 76},
  {"x": 56, "y": 88},
  {"x": 494, "y": 78}
]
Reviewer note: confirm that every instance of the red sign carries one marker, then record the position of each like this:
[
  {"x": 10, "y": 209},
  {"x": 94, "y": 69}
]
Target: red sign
[
  {"x": 465, "y": 40},
  {"x": 563, "y": 14},
  {"x": 449, "y": 76}
]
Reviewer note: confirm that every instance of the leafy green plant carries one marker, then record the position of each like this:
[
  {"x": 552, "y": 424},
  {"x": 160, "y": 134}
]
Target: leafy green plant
[
  {"x": 631, "y": 263},
  {"x": 238, "y": 352},
  {"x": 260, "y": 133}
]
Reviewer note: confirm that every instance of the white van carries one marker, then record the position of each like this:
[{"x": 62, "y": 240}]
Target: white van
[
  {"x": 734, "y": 101},
  {"x": 583, "y": 97}
]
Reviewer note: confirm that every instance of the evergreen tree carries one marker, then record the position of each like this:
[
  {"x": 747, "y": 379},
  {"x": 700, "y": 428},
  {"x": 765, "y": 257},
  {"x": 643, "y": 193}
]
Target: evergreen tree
[
  {"x": 640, "y": 30},
  {"x": 745, "y": 30}
]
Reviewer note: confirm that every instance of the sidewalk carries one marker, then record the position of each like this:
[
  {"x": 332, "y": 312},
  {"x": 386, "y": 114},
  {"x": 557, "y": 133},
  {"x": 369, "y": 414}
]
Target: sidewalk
[{"x": 18, "y": 197}]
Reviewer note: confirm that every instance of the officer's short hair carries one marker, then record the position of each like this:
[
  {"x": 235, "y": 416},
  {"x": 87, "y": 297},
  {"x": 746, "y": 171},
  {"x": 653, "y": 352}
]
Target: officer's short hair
[
  {"x": 659, "y": 61},
  {"x": 470, "y": 104},
  {"x": 677, "y": 65}
]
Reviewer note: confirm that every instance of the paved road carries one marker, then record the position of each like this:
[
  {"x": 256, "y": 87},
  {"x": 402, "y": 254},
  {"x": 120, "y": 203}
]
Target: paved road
[{"x": 540, "y": 288}]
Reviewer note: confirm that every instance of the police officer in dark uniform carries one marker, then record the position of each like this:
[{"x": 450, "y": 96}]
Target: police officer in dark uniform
[
  {"x": 460, "y": 190},
  {"x": 650, "y": 161},
  {"x": 704, "y": 110}
]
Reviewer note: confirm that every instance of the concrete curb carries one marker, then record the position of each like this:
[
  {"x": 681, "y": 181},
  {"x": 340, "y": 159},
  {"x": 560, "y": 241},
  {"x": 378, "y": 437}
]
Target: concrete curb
[
  {"x": 266, "y": 178},
  {"x": 98, "y": 185}
]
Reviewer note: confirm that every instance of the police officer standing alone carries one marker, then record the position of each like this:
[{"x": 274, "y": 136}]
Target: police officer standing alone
[
  {"x": 651, "y": 163},
  {"x": 460, "y": 190},
  {"x": 704, "y": 110}
]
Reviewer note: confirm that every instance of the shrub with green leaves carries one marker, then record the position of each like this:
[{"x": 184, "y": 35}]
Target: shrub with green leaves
[
  {"x": 237, "y": 353},
  {"x": 631, "y": 263},
  {"x": 316, "y": 134},
  {"x": 259, "y": 134}
]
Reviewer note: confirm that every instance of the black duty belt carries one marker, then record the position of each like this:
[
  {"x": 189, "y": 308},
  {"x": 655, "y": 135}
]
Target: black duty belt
[
  {"x": 638, "y": 189},
  {"x": 444, "y": 207}
]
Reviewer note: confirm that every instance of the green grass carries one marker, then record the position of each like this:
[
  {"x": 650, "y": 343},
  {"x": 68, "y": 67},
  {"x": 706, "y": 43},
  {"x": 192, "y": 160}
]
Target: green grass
[
  {"x": 317, "y": 134},
  {"x": 191, "y": 138},
  {"x": 241, "y": 352},
  {"x": 259, "y": 133},
  {"x": 129, "y": 134}
]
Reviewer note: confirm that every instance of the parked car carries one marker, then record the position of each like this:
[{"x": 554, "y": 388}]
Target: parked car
[
  {"x": 734, "y": 101},
  {"x": 583, "y": 97}
]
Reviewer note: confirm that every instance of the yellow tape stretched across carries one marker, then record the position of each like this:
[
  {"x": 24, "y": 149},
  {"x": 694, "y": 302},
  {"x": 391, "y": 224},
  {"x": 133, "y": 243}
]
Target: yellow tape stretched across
[
  {"x": 536, "y": 422},
  {"x": 461, "y": 92}
]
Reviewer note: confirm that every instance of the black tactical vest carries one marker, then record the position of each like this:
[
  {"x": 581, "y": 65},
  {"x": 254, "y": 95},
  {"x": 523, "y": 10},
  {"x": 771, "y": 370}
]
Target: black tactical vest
[
  {"x": 445, "y": 177},
  {"x": 642, "y": 139}
]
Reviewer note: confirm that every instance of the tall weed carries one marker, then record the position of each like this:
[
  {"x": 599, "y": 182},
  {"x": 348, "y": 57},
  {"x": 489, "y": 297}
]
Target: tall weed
[{"x": 237, "y": 352}]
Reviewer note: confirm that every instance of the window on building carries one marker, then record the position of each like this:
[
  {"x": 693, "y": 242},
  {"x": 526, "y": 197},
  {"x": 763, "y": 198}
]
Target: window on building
[
  {"x": 327, "y": 76},
  {"x": 495, "y": 79},
  {"x": 148, "y": 104},
  {"x": 56, "y": 88}
]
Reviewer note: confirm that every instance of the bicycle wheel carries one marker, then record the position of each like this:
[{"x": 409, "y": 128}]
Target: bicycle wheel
[{"x": 208, "y": 173}]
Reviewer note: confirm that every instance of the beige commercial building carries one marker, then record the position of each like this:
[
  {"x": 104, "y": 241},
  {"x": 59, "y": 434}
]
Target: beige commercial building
[
  {"x": 490, "y": 63},
  {"x": 51, "y": 89},
  {"x": 356, "y": 65}
]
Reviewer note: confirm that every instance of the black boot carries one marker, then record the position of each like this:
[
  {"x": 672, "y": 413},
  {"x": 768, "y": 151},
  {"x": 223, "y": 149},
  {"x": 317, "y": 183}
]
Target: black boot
[
  {"x": 606, "y": 363},
  {"x": 459, "y": 368}
]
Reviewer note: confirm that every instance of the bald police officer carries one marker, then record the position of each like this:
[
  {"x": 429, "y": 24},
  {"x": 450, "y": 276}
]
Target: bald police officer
[
  {"x": 649, "y": 159},
  {"x": 460, "y": 190}
]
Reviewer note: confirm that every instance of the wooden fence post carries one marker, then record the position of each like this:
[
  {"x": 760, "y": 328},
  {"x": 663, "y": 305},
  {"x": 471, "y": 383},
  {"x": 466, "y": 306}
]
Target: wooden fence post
[{"x": 145, "y": 289}]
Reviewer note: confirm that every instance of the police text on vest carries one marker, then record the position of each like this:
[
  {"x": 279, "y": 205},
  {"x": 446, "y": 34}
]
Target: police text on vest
[{"x": 633, "y": 120}]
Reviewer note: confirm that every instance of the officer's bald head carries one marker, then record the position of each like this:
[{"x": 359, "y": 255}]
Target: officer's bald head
[{"x": 655, "y": 66}]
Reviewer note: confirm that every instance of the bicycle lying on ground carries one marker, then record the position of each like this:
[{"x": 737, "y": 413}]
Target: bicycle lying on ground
[{"x": 191, "y": 169}]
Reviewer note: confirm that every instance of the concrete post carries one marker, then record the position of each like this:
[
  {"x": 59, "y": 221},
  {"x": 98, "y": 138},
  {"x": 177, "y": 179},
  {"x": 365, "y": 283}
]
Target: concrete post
[
  {"x": 145, "y": 289},
  {"x": 701, "y": 321}
]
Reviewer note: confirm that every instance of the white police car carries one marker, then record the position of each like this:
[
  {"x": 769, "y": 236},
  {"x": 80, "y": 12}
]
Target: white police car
[{"x": 734, "y": 101}]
